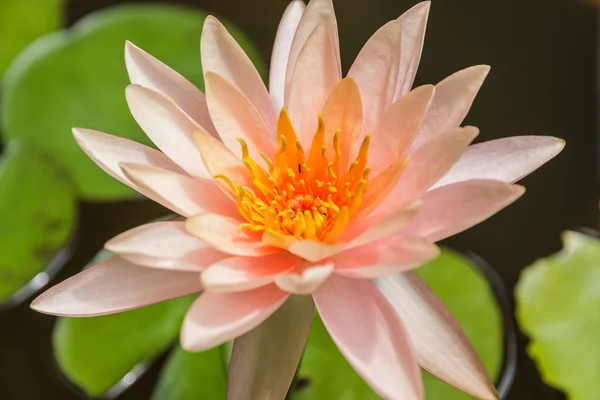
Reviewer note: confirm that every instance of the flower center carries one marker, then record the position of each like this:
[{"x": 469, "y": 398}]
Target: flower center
[{"x": 305, "y": 197}]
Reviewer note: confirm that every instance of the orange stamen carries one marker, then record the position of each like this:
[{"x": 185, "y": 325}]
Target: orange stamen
[{"x": 303, "y": 196}]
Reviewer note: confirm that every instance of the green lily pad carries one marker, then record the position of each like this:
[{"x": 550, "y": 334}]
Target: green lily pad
[
  {"x": 192, "y": 376},
  {"x": 558, "y": 299},
  {"x": 96, "y": 353},
  {"x": 77, "y": 78},
  {"x": 37, "y": 214},
  {"x": 464, "y": 291},
  {"x": 22, "y": 21}
]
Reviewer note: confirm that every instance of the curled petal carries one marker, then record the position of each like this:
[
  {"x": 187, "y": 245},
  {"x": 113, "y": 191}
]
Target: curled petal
[
  {"x": 215, "y": 318},
  {"x": 147, "y": 71},
  {"x": 165, "y": 245},
  {"x": 264, "y": 360},
  {"x": 114, "y": 286},
  {"x": 442, "y": 347},
  {"x": 368, "y": 332},
  {"x": 223, "y": 234},
  {"x": 281, "y": 50},
  {"x": 223, "y": 55},
  {"x": 507, "y": 160}
]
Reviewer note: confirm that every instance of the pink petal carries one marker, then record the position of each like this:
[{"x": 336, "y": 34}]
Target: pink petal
[
  {"x": 385, "y": 257},
  {"x": 264, "y": 360},
  {"x": 220, "y": 161},
  {"x": 454, "y": 208},
  {"x": 223, "y": 55},
  {"x": 236, "y": 118},
  {"x": 168, "y": 127},
  {"x": 215, "y": 318},
  {"x": 180, "y": 193},
  {"x": 451, "y": 103},
  {"x": 428, "y": 165},
  {"x": 305, "y": 279},
  {"x": 507, "y": 160},
  {"x": 314, "y": 77},
  {"x": 369, "y": 333},
  {"x": 223, "y": 234},
  {"x": 318, "y": 12},
  {"x": 114, "y": 286},
  {"x": 110, "y": 151},
  {"x": 376, "y": 69},
  {"x": 244, "y": 273},
  {"x": 442, "y": 347},
  {"x": 398, "y": 127},
  {"x": 343, "y": 110},
  {"x": 379, "y": 226},
  {"x": 281, "y": 50},
  {"x": 165, "y": 245},
  {"x": 413, "y": 22},
  {"x": 147, "y": 71}
]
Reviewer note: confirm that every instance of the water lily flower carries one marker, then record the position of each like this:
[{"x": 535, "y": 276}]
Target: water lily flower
[{"x": 321, "y": 191}]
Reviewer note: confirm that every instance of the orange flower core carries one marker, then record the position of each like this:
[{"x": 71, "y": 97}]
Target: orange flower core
[{"x": 308, "y": 197}]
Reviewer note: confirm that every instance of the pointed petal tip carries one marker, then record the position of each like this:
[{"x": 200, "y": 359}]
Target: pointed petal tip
[
  {"x": 130, "y": 47},
  {"x": 210, "y": 22},
  {"x": 78, "y": 133},
  {"x": 482, "y": 70},
  {"x": 422, "y": 7},
  {"x": 518, "y": 190}
]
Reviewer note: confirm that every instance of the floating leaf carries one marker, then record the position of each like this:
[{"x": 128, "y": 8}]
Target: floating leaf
[
  {"x": 77, "y": 78},
  {"x": 464, "y": 291},
  {"x": 192, "y": 376},
  {"x": 22, "y": 21},
  {"x": 558, "y": 299},
  {"x": 37, "y": 214},
  {"x": 96, "y": 353}
]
